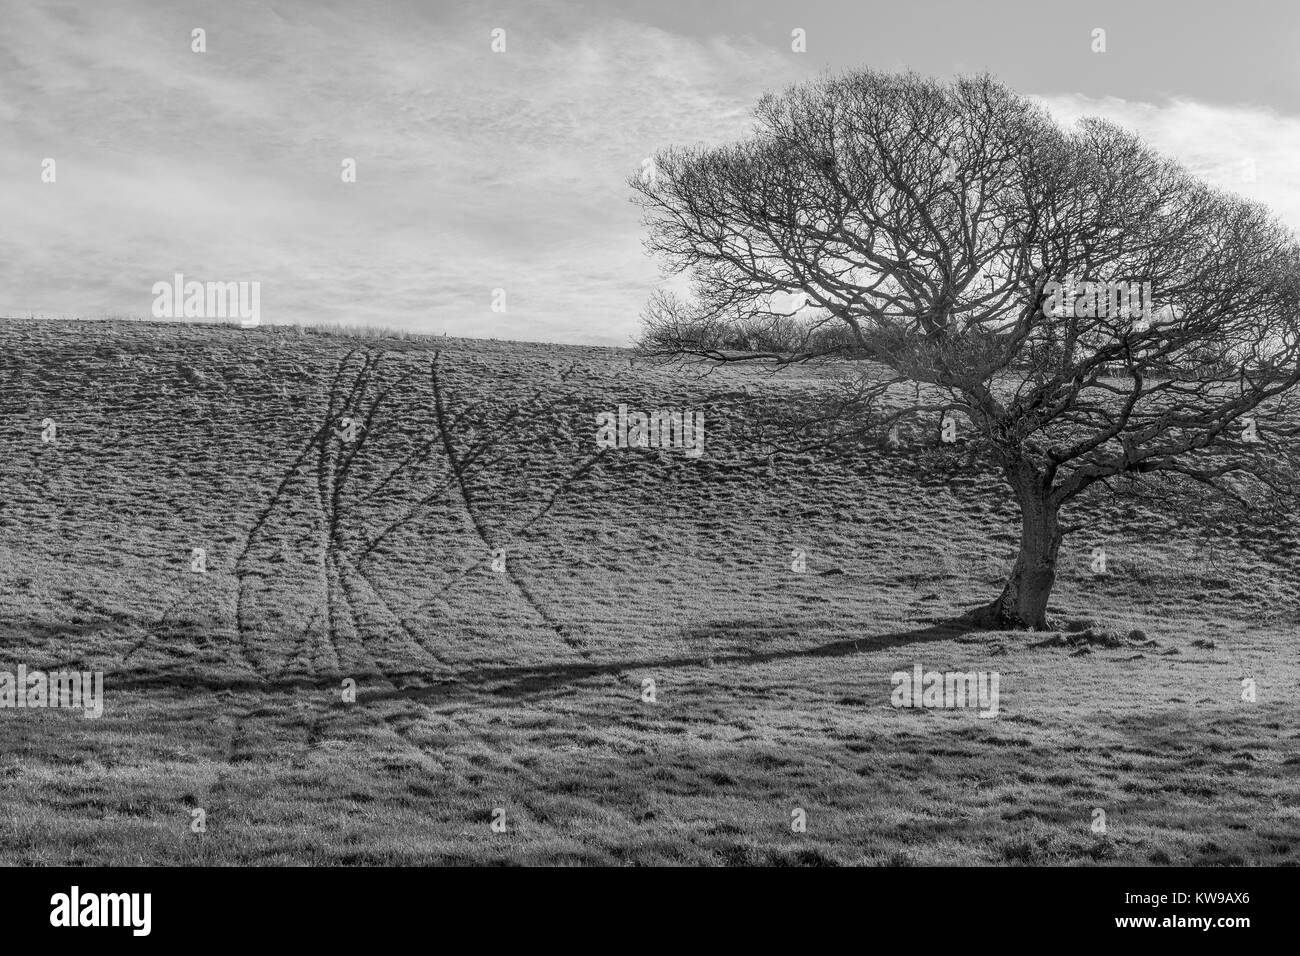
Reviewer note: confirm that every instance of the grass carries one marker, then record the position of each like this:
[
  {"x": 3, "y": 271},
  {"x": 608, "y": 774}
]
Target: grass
[{"x": 523, "y": 689}]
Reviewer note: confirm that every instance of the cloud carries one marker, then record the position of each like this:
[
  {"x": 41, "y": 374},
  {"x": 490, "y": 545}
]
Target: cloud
[
  {"x": 475, "y": 170},
  {"x": 1243, "y": 149}
]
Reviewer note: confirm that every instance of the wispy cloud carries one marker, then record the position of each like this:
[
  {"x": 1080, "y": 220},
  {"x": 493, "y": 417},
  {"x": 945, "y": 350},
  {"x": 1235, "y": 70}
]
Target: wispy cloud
[
  {"x": 476, "y": 170},
  {"x": 1244, "y": 149}
]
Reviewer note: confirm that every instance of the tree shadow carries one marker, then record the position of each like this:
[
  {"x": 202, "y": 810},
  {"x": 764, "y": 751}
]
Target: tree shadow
[
  {"x": 734, "y": 643},
  {"x": 521, "y": 682}
]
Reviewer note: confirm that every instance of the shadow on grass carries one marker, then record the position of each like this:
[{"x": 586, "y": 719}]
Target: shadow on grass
[{"x": 517, "y": 682}]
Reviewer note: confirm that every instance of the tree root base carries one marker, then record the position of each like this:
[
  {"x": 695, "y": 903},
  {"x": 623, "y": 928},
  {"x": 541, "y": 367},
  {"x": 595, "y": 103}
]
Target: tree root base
[{"x": 993, "y": 617}]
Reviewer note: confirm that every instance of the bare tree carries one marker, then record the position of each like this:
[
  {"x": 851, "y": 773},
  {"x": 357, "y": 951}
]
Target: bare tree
[{"x": 1086, "y": 306}]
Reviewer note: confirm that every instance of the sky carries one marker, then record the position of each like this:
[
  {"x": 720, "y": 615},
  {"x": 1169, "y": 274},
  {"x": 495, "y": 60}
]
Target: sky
[{"x": 479, "y": 171}]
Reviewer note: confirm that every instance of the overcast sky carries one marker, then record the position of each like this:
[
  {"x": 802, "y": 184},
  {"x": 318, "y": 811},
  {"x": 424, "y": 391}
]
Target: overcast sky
[{"x": 479, "y": 170}]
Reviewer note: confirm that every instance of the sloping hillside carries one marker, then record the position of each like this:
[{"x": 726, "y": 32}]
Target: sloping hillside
[{"x": 433, "y": 520}]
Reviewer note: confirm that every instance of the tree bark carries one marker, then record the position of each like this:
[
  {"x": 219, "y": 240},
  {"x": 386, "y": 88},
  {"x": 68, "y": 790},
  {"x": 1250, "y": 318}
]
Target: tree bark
[{"x": 1023, "y": 601}]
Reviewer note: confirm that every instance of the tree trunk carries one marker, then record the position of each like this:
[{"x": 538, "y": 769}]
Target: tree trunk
[{"x": 1023, "y": 601}]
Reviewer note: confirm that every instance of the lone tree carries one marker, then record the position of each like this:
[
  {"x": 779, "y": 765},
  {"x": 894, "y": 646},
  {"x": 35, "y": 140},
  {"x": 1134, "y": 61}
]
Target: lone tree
[{"x": 1089, "y": 308}]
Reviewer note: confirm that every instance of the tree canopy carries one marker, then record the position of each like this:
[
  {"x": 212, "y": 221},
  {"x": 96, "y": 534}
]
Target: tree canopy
[{"x": 1089, "y": 306}]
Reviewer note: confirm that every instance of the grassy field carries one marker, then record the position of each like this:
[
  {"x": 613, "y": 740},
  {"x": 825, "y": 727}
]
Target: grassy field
[{"x": 518, "y": 694}]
